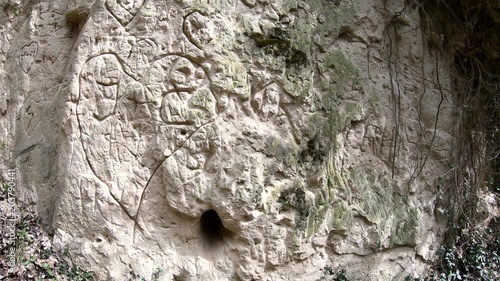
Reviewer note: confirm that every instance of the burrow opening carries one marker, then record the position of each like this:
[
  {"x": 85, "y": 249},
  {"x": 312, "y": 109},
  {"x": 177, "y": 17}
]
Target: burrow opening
[{"x": 211, "y": 229}]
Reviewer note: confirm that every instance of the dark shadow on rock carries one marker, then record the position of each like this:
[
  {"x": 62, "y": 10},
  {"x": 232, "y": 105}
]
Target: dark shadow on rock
[{"x": 212, "y": 231}]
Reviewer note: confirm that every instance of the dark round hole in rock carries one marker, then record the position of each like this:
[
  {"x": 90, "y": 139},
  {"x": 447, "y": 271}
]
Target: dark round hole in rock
[{"x": 211, "y": 229}]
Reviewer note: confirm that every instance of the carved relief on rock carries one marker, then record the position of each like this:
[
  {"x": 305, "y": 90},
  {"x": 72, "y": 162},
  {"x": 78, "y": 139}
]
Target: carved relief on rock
[
  {"x": 124, "y": 10},
  {"x": 266, "y": 103},
  {"x": 198, "y": 29},
  {"x": 135, "y": 114},
  {"x": 105, "y": 138},
  {"x": 31, "y": 117},
  {"x": 147, "y": 115},
  {"x": 143, "y": 104},
  {"x": 27, "y": 56},
  {"x": 229, "y": 76},
  {"x": 99, "y": 85},
  {"x": 276, "y": 252},
  {"x": 47, "y": 20},
  {"x": 229, "y": 106},
  {"x": 273, "y": 106},
  {"x": 137, "y": 55},
  {"x": 184, "y": 173},
  {"x": 188, "y": 99}
]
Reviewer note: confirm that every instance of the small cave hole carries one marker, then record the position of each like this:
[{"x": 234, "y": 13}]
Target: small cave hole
[
  {"x": 183, "y": 132},
  {"x": 211, "y": 229}
]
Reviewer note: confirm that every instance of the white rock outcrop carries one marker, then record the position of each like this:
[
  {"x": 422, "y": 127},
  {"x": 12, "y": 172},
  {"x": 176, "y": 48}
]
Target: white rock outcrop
[{"x": 318, "y": 131}]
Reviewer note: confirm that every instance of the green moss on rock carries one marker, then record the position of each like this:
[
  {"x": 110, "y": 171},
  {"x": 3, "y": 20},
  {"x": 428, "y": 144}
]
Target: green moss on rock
[
  {"x": 296, "y": 197},
  {"x": 377, "y": 201},
  {"x": 342, "y": 217},
  {"x": 337, "y": 73}
]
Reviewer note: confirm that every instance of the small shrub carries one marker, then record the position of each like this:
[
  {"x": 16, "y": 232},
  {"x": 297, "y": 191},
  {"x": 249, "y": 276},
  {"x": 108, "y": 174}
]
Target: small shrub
[
  {"x": 75, "y": 273},
  {"x": 474, "y": 256},
  {"x": 331, "y": 274}
]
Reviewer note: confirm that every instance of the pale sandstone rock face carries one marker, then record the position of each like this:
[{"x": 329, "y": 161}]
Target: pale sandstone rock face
[{"x": 317, "y": 130}]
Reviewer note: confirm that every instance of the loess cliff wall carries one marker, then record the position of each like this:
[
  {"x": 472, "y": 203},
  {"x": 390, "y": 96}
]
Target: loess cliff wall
[{"x": 319, "y": 132}]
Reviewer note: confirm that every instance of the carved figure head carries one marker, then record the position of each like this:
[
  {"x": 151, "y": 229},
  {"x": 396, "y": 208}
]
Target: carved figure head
[
  {"x": 257, "y": 102},
  {"x": 272, "y": 95},
  {"x": 107, "y": 70},
  {"x": 197, "y": 29},
  {"x": 185, "y": 76}
]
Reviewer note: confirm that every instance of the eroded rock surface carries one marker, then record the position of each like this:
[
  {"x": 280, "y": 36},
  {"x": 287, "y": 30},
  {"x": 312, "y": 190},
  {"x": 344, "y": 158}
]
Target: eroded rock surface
[{"x": 317, "y": 130}]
